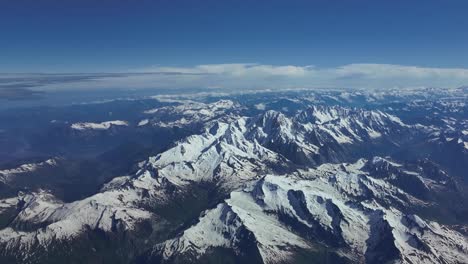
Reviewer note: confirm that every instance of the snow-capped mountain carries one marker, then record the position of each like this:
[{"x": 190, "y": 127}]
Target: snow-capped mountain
[
  {"x": 324, "y": 134},
  {"x": 9, "y": 175},
  {"x": 338, "y": 206},
  {"x": 98, "y": 126},
  {"x": 189, "y": 113},
  {"x": 267, "y": 187},
  {"x": 222, "y": 154}
]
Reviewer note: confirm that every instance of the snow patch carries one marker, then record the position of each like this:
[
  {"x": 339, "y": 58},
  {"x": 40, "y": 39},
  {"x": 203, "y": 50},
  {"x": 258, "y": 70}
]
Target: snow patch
[{"x": 98, "y": 126}]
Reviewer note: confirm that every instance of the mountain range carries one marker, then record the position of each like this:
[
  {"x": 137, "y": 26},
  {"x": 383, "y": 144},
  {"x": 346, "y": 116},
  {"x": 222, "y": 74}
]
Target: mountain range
[{"x": 327, "y": 183}]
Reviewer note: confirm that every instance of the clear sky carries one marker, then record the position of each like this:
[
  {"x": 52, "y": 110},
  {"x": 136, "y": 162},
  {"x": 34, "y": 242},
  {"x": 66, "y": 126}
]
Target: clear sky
[{"x": 123, "y": 35}]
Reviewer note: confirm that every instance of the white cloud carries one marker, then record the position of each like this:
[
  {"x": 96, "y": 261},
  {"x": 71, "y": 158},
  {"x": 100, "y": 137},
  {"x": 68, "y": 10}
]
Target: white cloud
[
  {"x": 261, "y": 76},
  {"x": 235, "y": 69},
  {"x": 398, "y": 71},
  {"x": 251, "y": 76}
]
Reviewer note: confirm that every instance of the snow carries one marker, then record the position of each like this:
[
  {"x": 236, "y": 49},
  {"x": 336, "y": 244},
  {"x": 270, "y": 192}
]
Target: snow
[
  {"x": 377, "y": 160},
  {"x": 236, "y": 153},
  {"x": 143, "y": 122},
  {"x": 374, "y": 134},
  {"x": 98, "y": 126},
  {"x": 260, "y": 106},
  {"x": 65, "y": 221},
  {"x": 8, "y": 203},
  {"x": 347, "y": 126},
  {"x": 275, "y": 240},
  {"x": 216, "y": 228},
  {"x": 256, "y": 209},
  {"x": 115, "y": 183},
  {"x": 443, "y": 244},
  {"x": 190, "y": 112},
  {"x": 221, "y": 152},
  {"x": 9, "y": 174}
]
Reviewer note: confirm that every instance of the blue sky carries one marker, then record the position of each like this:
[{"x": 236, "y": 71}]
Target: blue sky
[{"x": 127, "y": 36}]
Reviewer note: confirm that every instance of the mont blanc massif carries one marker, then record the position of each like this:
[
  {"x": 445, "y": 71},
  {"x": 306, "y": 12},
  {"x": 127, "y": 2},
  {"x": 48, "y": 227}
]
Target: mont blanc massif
[{"x": 293, "y": 176}]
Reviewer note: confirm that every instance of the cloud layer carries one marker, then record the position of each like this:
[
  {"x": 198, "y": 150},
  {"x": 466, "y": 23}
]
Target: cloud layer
[{"x": 251, "y": 76}]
